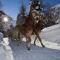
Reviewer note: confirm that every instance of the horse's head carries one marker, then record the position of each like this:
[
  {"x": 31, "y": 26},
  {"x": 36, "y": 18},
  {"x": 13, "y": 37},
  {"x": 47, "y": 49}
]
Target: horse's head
[
  {"x": 39, "y": 19},
  {"x": 37, "y": 16}
]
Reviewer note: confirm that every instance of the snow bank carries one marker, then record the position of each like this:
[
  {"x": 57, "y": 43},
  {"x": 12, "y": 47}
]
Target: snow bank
[
  {"x": 51, "y": 34},
  {"x": 51, "y": 27},
  {"x": 5, "y": 50},
  {"x": 56, "y": 6}
]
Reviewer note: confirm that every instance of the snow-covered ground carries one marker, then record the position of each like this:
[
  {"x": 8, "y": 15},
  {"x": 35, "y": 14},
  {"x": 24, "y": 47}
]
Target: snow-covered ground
[
  {"x": 52, "y": 35},
  {"x": 51, "y": 39}
]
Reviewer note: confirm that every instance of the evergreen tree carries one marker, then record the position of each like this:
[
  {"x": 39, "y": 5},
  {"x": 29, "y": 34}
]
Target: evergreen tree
[{"x": 36, "y": 5}]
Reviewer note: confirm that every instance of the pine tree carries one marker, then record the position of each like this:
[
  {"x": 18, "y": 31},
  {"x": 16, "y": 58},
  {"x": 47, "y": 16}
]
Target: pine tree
[
  {"x": 22, "y": 13},
  {"x": 36, "y": 5}
]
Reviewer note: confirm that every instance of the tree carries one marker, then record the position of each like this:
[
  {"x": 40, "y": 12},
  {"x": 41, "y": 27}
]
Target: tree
[
  {"x": 22, "y": 13},
  {"x": 52, "y": 17},
  {"x": 56, "y": 13},
  {"x": 36, "y": 5}
]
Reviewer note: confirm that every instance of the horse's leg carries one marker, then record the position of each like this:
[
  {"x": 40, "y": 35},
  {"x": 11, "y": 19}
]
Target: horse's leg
[
  {"x": 18, "y": 38},
  {"x": 28, "y": 41},
  {"x": 39, "y": 39},
  {"x": 35, "y": 40}
]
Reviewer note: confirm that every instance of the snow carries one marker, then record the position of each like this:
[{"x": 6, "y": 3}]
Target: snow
[
  {"x": 51, "y": 28},
  {"x": 5, "y": 50},
  {"x": 51, "y": 39},
  {"x": 56, "y": 6},
  {"x": 52, "y": 34}
]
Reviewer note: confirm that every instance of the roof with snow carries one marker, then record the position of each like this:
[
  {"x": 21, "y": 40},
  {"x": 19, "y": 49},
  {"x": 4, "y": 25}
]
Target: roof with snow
[{"x": 2, "y": 13}]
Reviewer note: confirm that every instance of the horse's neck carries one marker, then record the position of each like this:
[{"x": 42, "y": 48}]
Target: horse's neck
[
  {"x": 40, "y": 21},
  {"x": 29, "y": 20}
]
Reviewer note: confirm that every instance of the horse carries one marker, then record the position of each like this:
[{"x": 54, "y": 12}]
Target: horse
[{"x": 28, "y": 28}]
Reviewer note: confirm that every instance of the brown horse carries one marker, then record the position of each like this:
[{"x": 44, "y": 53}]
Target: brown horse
[{"x": 28, "y": 28}]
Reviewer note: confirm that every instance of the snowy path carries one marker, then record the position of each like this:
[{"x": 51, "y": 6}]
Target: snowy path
[
  {"x": 52, "y": 34},
  {"x": 51, "y": 39},
  {"x": 36, "y": 53}
]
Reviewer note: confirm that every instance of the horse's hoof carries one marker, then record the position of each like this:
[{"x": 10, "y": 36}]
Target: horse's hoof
[
  {"x": 28, "y": 49},
  {"x": 43, "y": 46}
]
